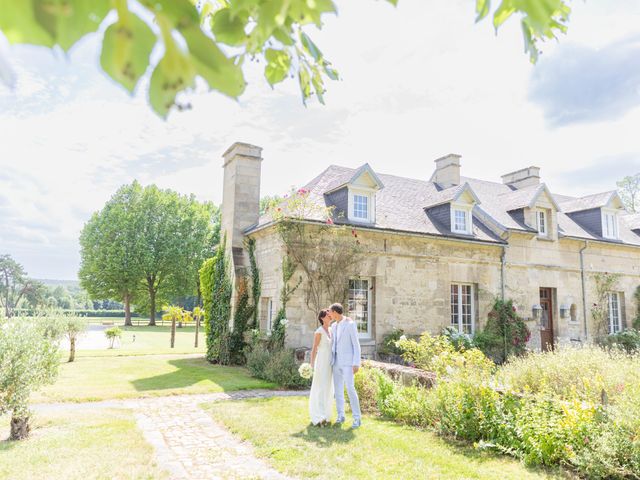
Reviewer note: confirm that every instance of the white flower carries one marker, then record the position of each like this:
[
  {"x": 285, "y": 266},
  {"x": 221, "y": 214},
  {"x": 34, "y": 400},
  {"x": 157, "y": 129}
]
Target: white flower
[
  {"x": 284, "y": 322},
  {"x": 403, "y": 337},
  {"x": 305, "y": 371}
]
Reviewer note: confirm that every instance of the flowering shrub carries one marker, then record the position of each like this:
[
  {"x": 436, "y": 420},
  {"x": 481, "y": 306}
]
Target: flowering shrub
[
  {"x": 505, "y": 334},
  {"x": 437, "y": 354},
  {"x": 627, "y": 340}
]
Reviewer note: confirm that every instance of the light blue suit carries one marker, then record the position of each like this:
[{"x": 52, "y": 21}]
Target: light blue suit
[{"x": 345, "y": 351}]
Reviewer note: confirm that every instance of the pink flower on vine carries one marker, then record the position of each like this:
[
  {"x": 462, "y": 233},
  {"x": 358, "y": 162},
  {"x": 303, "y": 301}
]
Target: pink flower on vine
[
  {"x": 329, "y": 221},
  {"x": 302, "y": 191}
]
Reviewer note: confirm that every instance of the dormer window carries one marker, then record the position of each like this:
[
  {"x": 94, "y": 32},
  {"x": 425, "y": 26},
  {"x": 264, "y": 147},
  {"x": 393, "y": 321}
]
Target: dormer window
[
  {"x": 461, "y": 219},
  {"x": 542, "y": 223},
  {"x": 609, "y": 224},
  {"x": 360, "y": 207}
]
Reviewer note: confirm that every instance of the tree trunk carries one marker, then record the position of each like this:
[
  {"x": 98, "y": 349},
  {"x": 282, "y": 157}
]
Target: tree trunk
[
  {"x": 152, "y": 307},
  {"x": 127, "y": 311},
  {"x": 19, "y": 428},
  {"x": 173, "y": 332},
  {"x": 72, "y": 349},
  {"x": 197, "y": 328}
]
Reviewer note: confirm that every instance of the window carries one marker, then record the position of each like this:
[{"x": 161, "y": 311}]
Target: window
[
  {"x": 361, "y": 207},
  {"x": 360, "y": 304},
  {"x": 609, "y": 225},
  {"x": 269, "y": 314},
  {"x": 462, "y": 308},
  {"x": 461, "y": 219},
  {"x": 614, "y": 313},
  {"x": 541, "y": 219}
]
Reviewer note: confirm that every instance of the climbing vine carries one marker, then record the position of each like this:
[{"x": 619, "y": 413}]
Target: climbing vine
[
  {"x": 605, "y": 283},
  {"x": 256, "y": 285},
  {"x": 505, "y": 334},
  {"x": 327, "y": 253},
  {"x": 217, "y": 290},
  {"x": 279, "y": 327}
]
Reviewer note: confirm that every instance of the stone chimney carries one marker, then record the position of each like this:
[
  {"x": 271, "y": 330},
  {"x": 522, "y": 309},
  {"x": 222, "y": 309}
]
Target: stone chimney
[
  {"x": 240, "y": 195},
  {"x": 525, "y": 177},
  {"x": 447, "y": 172}
]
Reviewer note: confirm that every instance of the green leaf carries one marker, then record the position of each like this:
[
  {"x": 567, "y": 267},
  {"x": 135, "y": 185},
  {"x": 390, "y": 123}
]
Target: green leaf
[
  {"x": 229, "y": 28},
  {"x": 220, "y": 72},
  {"x": 125, "y": 50},
  {"x": 172, "y": 74},
  {"x": 482, "y": 9},
  {"x": 504, "y": 11},
  {"x": 331, "y": 73},
  {"x": 182, "y": 13},
  {"x": 278, "y": 65},
  {"x": 19, "y": 24},
  {"x": 304, "y": 79},
  {"x": 67, "y": 21},
  {"x": 318, "y": 85},
  {"x": 310, "y": 47}
]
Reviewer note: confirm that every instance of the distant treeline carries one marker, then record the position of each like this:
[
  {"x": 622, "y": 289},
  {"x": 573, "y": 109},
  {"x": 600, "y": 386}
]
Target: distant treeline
[{"x": 30, "y": 312}]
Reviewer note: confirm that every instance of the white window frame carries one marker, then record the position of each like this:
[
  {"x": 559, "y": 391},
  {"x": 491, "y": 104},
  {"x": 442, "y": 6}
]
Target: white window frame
[
  {"x": 368, "y": 333},
  {"x": 542, "y": 222},
  {"x": 456, "y": 320},
  {"x": 269, "y": 314},
  {"x": 370, "y": 196},
  {"x": 467, "y": 210},
  {"x": 615, "y": 312},
  {"x": 610, "y": 219}
]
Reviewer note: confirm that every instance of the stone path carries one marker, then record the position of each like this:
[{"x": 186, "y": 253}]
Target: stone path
[{"x": 187, "y": 442}]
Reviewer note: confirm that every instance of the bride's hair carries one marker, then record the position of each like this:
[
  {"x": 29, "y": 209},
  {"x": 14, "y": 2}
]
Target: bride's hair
[{"x": 322, "y": 315}]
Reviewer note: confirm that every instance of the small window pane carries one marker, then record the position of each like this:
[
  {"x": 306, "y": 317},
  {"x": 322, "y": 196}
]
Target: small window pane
[
  {"x": 614, "y": 313},
  {"x": 361, "y": 206},
  {"x": 462, "y": 308},
  {"x": 359, "y": 301},
  {"x": 460, "y": 221},
  {"x": 542, "y": 222}
]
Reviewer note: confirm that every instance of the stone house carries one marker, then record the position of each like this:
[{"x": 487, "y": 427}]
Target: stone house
[{"x": 439, "y": 250}]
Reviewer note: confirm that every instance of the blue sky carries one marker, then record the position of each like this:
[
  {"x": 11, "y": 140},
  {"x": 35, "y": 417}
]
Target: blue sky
[{"x": 418, "y": 81}]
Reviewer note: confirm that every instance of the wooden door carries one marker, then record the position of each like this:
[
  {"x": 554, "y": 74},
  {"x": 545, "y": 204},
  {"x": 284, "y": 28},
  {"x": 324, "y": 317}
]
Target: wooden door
[{"x": 546, "y": 319}]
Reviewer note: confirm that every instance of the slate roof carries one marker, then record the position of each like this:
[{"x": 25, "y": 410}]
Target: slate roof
[
  {"x": 589, "y": 202},
  {"x": 400, "y": 206}
]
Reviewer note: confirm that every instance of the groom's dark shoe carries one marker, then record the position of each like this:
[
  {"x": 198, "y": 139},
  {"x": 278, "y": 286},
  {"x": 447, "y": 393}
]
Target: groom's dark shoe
[{"x": 356, "y": 424}]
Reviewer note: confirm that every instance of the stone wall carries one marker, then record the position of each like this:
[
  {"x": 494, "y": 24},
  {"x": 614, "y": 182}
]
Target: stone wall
[{"x": 412, "y": 277}]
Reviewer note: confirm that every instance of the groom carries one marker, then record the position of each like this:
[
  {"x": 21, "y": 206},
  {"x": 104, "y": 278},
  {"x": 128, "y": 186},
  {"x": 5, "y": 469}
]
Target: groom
[{"x": 345, "y": 359}]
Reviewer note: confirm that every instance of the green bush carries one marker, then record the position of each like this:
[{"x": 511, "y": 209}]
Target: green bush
[
  {"x": 505, "y": 334},
  {"x": 388, "y": 345},
  {"x": 460, "y": 341},
  {"x": 257, "y": 359},
  {"x": 409, "y": 405},
  {"x": 112, "y": 334},
  {"x": 437, "y": 354},
  {"x": 366, "y": 383},
  {"x": 627, "y": 340},
  {"x": 282, "y": 369}
]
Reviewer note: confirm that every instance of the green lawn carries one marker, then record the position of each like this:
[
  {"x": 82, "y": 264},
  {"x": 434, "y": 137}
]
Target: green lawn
[
  {"x": 280, "y": 431},
  {"x": 146, "y": 340},
  {"x": 80, "y": 445},
  {"x": 99, "y": 378}
]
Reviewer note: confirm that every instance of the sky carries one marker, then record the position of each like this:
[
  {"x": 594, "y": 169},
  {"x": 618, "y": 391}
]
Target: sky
[{"x": 417, "y": 82}]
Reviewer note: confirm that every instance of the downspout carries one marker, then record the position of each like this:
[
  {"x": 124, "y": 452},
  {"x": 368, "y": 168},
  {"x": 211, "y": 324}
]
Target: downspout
[
  {"x": 503, "y": 269},
  {"x": 584, "y": 289}
]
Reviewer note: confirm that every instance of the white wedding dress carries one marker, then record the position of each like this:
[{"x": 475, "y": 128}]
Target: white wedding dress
[{"x": 321, "y": 395}]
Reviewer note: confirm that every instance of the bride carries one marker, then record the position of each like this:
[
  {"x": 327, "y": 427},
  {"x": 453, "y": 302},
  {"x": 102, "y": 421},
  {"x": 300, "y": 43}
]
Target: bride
[{"x": 321, "y": 395}]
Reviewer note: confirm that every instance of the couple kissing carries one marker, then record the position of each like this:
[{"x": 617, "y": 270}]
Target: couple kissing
[{"x": 335, "y": 359}]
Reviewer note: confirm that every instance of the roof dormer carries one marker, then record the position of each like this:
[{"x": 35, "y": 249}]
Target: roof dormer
[
  {"x": 599, "y": 214},
  {"x": 452, "y": 209},
  {"x": 355, "y": 197},
  {"x": 535, "y": 208}
]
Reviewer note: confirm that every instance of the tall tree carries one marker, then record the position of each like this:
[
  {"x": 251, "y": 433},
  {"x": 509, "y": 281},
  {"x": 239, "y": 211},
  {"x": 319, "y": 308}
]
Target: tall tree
[
  {"x": 15, "y": 285},
  {"x": 178, "y": 233},
  {"x": 193, "y": 32},
  {"x": 629, "y": 189},
  {"x": 110, "y": 248}
]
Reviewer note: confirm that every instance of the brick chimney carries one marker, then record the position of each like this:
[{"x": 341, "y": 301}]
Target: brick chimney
[
  {"x": 447, "y": 172},
  {"x": 525, "y": 177},
  {"x": 240, "y": 195}
]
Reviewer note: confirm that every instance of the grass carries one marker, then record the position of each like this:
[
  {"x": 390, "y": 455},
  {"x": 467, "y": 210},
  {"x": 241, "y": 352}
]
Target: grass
[
  {"x": 280, "y": 432},
  {"x": 146, "y": 340},
  {"x": 100, "y": 378},
  {"x": 102, "y": 444}
]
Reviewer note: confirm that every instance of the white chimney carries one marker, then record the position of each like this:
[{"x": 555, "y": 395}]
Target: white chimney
[
  {"x": 240, "y": 192},
  {"x": 447, "y": 172},
  {"x": 525, "y": 177}
]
